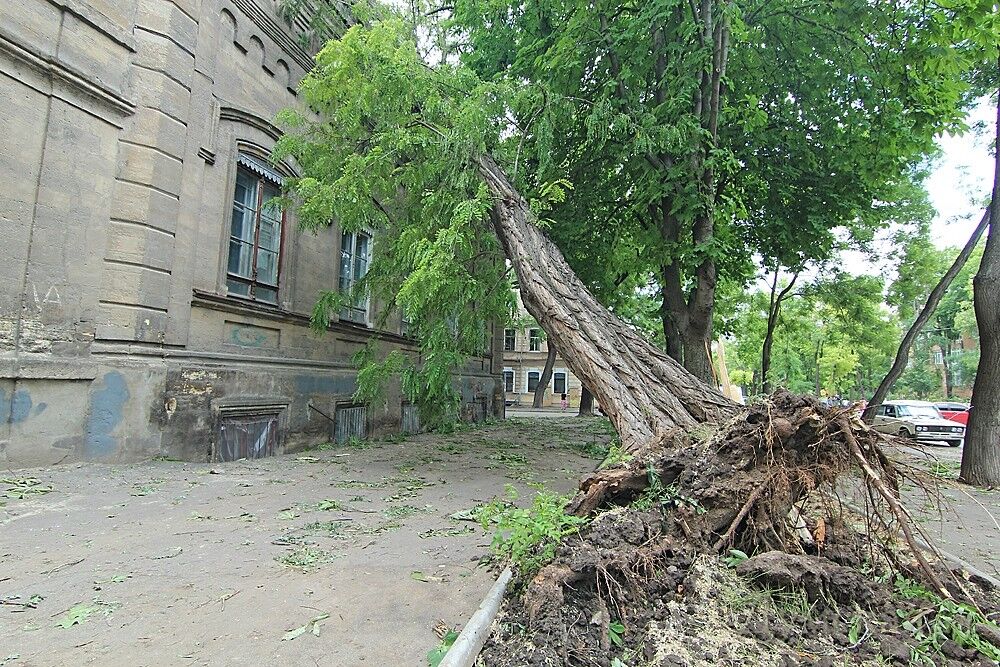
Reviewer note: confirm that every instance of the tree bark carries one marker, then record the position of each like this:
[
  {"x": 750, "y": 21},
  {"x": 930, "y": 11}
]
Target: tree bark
[
  {"x": 773, "y": 312},
  {"x": 644, "y": 392},
  {"x": 586, "y": 403},
  {"x": 981, "y": 455},
  {"x": 933, "y": 299},
  {"x": 687, "y": 319},
  {"x": 543, "y": 382}
]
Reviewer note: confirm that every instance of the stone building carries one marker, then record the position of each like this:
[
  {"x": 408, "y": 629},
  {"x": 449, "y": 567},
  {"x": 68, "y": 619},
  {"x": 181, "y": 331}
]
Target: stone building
[
  {"x": 524, "y": 351},
  {"x": 152, "y": 304}
]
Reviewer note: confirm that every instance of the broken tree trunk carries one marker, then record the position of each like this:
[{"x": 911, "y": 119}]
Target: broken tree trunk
[
  {"x": 644, "y": 392},
  {"x": 903, "y": 353}
]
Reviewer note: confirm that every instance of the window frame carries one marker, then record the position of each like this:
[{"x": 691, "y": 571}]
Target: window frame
[
  {"x": 509, "y": 372},
  {"x": 512, "y": 338},
  {"x": 527, "y": 380},
  {"x": 565, "y": 381},
  {"x": 534, "y": 340},
  {"x": 366, "y": 320},
  {"x": 260, "y": 181}
]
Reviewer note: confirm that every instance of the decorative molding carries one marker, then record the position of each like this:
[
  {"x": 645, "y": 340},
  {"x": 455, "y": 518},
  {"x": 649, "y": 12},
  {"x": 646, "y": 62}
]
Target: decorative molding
[
  {"x": 253, "y": 120},
  {"x": 58, "y": 70},
  {"x": 206, "y": 155},
  {"x": 275, "y": 32}
]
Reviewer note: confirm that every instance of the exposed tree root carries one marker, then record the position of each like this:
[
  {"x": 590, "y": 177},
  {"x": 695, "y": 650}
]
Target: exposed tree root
[{"x": 767, "y": 482}]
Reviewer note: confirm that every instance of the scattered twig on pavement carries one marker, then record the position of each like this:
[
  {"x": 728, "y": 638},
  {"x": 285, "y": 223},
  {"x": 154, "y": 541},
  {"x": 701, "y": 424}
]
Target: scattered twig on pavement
[{"x": 64, "y": 566}]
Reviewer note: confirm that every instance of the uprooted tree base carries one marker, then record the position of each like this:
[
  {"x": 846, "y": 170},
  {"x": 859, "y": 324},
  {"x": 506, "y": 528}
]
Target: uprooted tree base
[{"x": 646, "y": 582}]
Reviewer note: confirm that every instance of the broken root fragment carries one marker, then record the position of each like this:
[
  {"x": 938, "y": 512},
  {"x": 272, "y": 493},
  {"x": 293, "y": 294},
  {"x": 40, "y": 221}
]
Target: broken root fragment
[{"x": 815, "y": 581}]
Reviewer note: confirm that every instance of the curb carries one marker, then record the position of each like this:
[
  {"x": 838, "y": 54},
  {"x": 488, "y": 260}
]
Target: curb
[{"x": 465, "y": 650}]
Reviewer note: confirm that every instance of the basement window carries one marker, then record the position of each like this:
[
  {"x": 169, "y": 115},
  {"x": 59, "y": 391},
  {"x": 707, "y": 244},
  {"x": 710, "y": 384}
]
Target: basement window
[
  {"x": 350, "y": 421},
  {"x": 247, "y": 436}
]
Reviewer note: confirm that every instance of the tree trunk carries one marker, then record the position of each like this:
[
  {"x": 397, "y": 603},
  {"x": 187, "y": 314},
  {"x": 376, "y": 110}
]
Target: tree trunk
[
  {"x": 586, "y": 403},
  {"x": 543, "y": 382},
  {"x": 644, "y": 392},
  {"x": 903, "y": 353},
  {"x": 773, "y": 312},
  {"x": 946, "y": 365},
  {"x": 981, "y": 455}
]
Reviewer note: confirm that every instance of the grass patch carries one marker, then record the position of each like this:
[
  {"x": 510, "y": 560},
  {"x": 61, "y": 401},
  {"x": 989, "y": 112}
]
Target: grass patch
[
  {"x": 405, "y": 511},
  {"x": 939, "y": 620},
  {"x": 307, "y": 558}
]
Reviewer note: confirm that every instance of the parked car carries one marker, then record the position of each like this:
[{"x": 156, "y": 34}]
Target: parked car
[
  {"x": 956, "y": 412},
  {"x": 918, "y": 420}
]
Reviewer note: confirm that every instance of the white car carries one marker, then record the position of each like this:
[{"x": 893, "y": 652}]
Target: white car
[{"x": 919, "y": 420}]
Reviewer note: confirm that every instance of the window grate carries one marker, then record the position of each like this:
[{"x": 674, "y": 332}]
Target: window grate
[
  {"x": 247, "y": 437},
  {"x": 350, "y": 421},
  {"x": 411, "y": 419}
]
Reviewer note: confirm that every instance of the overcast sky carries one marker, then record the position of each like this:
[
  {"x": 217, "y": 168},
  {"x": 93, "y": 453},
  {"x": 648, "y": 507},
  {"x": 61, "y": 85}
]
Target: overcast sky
[{"x": 962, "y": 179}]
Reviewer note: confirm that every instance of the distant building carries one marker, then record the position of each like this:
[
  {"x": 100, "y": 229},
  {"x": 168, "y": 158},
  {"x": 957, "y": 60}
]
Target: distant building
[
  {"x": 153, "y": 303},
  {"x": 524, "y": 352}
]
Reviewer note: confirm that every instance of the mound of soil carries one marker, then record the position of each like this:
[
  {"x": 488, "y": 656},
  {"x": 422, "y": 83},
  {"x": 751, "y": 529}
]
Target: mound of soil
[{"x": 734, "y": 550}]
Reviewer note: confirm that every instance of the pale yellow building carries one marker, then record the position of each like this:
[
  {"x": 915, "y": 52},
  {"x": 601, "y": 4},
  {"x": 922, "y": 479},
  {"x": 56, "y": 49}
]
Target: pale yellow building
[{"x": 524, "y": 352}]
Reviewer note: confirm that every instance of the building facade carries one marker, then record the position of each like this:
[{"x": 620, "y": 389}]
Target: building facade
[
  {"x": 153, "y": 304},
  {"x": 525, "y": 349}
]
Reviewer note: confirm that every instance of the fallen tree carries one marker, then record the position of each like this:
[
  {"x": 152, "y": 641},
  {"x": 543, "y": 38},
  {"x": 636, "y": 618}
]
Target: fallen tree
[{"x": 407, "y": 151}]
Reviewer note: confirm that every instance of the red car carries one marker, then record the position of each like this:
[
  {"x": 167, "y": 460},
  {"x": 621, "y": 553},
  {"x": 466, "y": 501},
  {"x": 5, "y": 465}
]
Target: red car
[{"x": 956, "y": 412}]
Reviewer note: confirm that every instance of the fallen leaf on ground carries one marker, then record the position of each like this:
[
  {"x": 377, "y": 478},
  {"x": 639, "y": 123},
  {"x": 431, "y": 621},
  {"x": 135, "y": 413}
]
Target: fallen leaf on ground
[{"x": 312, "y": 626}]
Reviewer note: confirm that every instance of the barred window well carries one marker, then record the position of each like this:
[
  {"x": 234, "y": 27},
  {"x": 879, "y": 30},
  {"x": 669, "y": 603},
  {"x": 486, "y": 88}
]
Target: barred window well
[
  {"x": 355, "y": 254},
  {"x": 255, "y": 233}
]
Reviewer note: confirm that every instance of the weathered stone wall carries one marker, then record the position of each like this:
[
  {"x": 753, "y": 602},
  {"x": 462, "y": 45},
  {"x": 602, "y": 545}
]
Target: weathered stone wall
[{"x": 119, "y": 134}]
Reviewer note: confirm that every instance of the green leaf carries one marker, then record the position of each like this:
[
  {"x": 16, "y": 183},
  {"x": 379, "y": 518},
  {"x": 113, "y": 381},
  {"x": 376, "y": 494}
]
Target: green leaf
[{"x": 436, "y": 655}]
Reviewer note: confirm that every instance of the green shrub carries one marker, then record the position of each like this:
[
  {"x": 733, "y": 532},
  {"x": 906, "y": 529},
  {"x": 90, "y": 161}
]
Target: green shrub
[{"x": 528, "y": 537}]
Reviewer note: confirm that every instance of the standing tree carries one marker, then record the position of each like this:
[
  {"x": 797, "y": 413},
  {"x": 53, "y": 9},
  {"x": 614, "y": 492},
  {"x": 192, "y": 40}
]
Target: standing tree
[
  {"x": 981, "y": 455},
  {"x": 546, "y": 377},
  {"x": 698, "y": 133}
]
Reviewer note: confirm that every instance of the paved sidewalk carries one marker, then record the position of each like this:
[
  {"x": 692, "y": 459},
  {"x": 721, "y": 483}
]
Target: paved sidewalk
[{"x": 195, "y": 564}]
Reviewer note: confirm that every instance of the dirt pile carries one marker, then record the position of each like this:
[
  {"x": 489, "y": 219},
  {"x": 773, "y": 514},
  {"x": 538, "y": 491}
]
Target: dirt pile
[{"x": 735, "y": 550}]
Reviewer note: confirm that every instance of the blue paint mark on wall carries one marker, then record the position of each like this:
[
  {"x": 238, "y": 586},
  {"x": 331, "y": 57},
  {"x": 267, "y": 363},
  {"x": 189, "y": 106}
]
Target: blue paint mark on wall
[
  {"x": 325, "y": 384},
  {"x": 107, "y": 403},
  {"x": 40, "y": 408},
  {"x": 15, "y": 408}
]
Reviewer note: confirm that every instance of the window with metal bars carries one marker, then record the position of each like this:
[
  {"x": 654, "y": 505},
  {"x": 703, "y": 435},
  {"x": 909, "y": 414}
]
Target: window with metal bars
[{"x": 255, "y": 233}]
